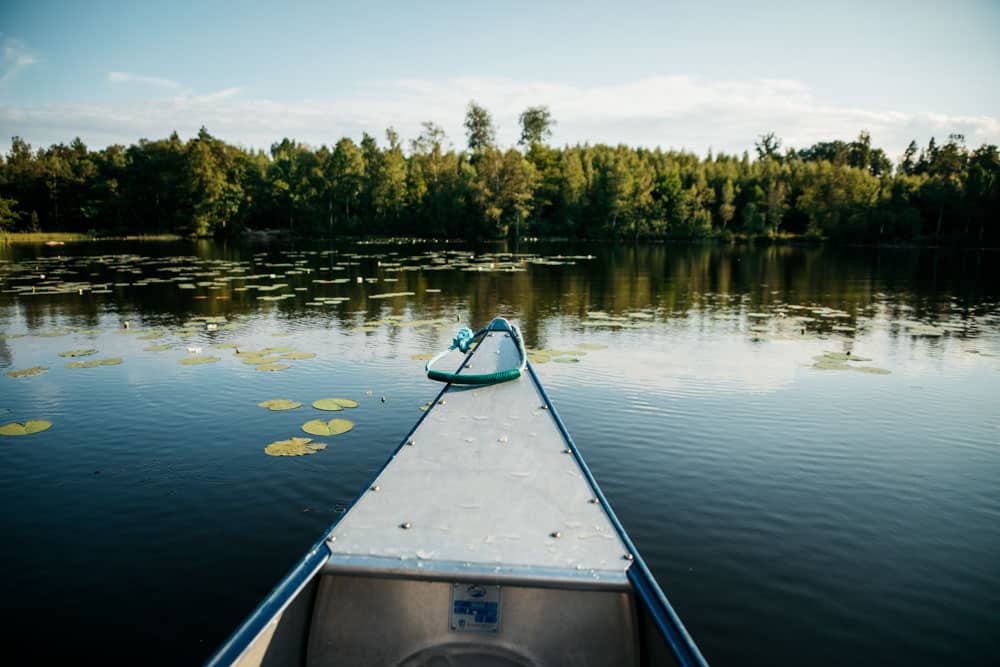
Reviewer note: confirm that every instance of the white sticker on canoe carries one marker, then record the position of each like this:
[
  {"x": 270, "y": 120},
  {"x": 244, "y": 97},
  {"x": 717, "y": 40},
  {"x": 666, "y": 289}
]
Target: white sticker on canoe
[{"x": 475, "y": 608}]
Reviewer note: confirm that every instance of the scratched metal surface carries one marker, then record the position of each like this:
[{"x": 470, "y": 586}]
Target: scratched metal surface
[{"x": 487, "y": 482}]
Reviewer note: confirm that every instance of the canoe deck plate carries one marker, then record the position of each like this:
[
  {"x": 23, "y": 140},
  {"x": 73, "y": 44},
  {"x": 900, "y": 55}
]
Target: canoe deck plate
[{"x": 487, "y": 485}]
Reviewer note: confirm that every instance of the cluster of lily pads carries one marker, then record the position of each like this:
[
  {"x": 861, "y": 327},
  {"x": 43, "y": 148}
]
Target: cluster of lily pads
[
  {"x": 562, "y": 356},
  {"x": 299, "y": 446},
  {"x": 400, "y": 322},
  {"x": 271, "y": 358},
  {"x": 800, "y": 322},
  {"x": 632, "y": 320}
]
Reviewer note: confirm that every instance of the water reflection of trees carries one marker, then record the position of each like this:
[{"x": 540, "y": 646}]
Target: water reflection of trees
[{"x": 669, "y": 281}]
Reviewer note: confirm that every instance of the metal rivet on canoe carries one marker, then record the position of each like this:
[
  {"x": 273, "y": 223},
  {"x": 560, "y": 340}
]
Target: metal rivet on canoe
[
  {"x": 566, "y": 451},
  {"x": 469, "y": 365},
  {"x": 405, "y": 525},
  {"x": 411, "y": 442},
  {"x": 628, "y": 557},
  {"x": 441, "y": 402},
  {"x": 543, "y": 407},
  {"x": 375, "y": 487},
  {"x": 555, "y": 533},
  {"x": 332, "y": 538},
  {"x": 592, "y": 501}
]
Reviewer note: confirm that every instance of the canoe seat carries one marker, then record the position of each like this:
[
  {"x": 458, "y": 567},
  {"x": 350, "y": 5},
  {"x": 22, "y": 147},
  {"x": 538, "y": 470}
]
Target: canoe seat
[{"x": 383, "y": 622}]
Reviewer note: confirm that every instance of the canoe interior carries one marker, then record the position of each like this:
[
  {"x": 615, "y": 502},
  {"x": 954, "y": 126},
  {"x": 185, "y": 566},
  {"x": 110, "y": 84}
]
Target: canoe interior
[{"x": 348, "y": 620}]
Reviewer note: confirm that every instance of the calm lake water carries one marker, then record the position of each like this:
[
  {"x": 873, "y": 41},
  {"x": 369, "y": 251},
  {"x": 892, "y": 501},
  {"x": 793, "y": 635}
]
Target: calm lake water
[{"x": 795, "y": 509}]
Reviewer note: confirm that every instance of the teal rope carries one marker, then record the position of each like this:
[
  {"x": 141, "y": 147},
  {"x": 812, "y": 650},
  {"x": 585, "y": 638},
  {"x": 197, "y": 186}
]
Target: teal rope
[{"x": 463, "y": 341}]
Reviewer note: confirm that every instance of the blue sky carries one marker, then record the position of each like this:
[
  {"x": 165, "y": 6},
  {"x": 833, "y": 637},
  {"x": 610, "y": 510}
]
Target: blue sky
[{"x": 684, "y": 75}]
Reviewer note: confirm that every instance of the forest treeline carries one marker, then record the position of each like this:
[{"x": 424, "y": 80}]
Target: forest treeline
[{"x": 846, "y": 191}]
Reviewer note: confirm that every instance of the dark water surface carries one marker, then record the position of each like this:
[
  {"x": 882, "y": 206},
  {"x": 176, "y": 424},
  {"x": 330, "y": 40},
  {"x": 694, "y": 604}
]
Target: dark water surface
[{"x": 794, "y": 515}]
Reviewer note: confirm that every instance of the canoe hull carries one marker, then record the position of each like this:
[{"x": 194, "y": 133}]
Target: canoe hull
[{"x": 361, "y": 596}]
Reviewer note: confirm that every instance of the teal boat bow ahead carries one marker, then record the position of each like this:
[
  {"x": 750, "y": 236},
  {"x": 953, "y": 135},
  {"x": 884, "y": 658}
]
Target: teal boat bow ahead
[{"x": 484, "y": 540}]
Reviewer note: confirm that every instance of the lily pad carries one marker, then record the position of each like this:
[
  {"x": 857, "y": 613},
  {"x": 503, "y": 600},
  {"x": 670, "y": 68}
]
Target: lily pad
[
  {"x": 78, "y": 353},
  {"x": 872, "y": 369},
  {"x": 256, "y": 360},
  {"x": 157, "y": 348},
  {"x": 389, "y": 295},
  {"x": 294, "y": 447},
  {"x": 842, "y": 356},
  {"x": 27, "y": 372},
  {"x": 839, "y": 361},
  {"x": 112, "y": 361},
  {"x": 277, "y": 404},
  {"x": 298, "y": 355},
  {"x": 332, "y": 427},
  {"x": 826, "y": 364},
  {"x": 27, "y": 428},
  {"x": 277, "y": 350},
  {"x": 422, "y": 357},
  {"x": 566, "y": 360},
  {"x": 334, "y": 404},
  {"x": 193, "y": 361},
  {"x": 272, "y": 367}
]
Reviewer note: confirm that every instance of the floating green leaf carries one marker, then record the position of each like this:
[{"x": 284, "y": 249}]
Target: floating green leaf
[
  {"x": 277, "y": 404},
  {"x": 27, "y": 428},
  {"x": 27, "y": 372},
  {"x": 294, "y": 447},
  {"x": 334, "y": 404},
  {"x": 78, "y": 353},
  {"x": 841, "y": 356},
  {"x": 192, "y": 361},
  {"x": 566, "y": 360},
  {"x": 422, "y": 357},
  {"x": 839, "y": 361},
  {"x": 113, "y": 361},
  {"x": 272, "y": 367},
  {"x": 277, "y": 350},
  {"x": 157, "y": 348},
  {"x": 255, "y": 360},
  {"x": 298, "y": 355},
  {"x": 332, "y": 427},
  {"x": 871, "y": 369},
  {"x": 824, "y": 363},
  {"x": 389, "y": 295}
]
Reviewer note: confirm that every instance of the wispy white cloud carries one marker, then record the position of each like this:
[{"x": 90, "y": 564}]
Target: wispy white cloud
[
  {"x": 670, "y": 111},
  {"x": 126, "y": 77},
  {"x": 16, "y": 57}
]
